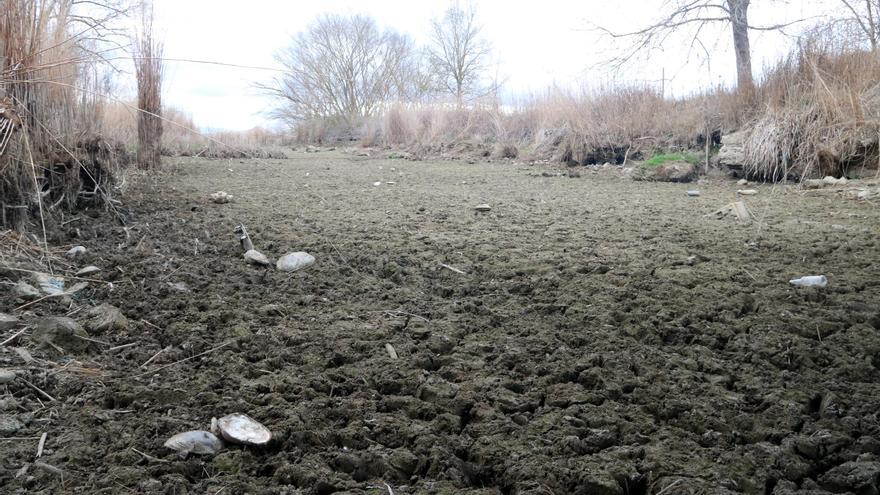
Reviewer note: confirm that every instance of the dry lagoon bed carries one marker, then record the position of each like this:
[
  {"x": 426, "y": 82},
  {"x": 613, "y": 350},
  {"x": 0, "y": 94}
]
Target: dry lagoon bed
[{"x": 588, "y": 335}]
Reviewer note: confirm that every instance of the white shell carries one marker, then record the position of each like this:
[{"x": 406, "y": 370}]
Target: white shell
[
  {"x": 257, "y": 258},
  {"x": 747, "y": 192},
  {"x": 195, "y": 442},
  {"x": 240, "y": 428},
  {"x": 483, "y": 207},
  {"x": 75, "y": 252},
  {"x": 88, "y": 271}
]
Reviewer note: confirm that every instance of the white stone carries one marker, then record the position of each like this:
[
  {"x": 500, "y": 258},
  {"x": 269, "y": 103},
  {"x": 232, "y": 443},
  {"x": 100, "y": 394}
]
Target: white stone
[
  {"x": 75, "y": 252},
  {"x": 483, "y": 207},
  {"x": 255, "y": 257},
  {"x": 89, "y": 270},
  {"x": 295, "y": 261}
]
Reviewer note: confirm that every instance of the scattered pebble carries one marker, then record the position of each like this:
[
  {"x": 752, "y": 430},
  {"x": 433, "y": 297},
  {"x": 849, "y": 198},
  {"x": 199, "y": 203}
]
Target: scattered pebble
[
  {"x": 377, "y": 183},
  {"x": 255, "y": 257},
  {"x": 483, "y": 207},
  {"x": 295, "y": 261},
  {"x": 693, "y": 193},
  {"x": 742, "y": 182},
  {"x": 747, "y": 192},
  {"x": 7, "y": 322},
  {"x": 221, "y": 197},
  {"x": 75, "y": 252}
]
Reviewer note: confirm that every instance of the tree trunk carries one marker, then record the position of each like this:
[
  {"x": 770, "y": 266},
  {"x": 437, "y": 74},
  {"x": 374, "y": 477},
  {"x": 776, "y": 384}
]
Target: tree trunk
[{"x": 739, "y": 20}]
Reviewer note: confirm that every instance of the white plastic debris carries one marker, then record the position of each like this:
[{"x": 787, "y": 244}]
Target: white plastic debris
[
  {"x": 49, "y": 285},
  {"x": 221, "y": 197},
  {"x": 194, "y": 442},
  {"x": 693, "y": 193},
  {"x": 255, "y": 257},
  {"x": 377, "y": 183},
  {"x": 747, "y": 192},
  {"x": 483, "y": 207},
  {"x": 75, "y": 252},
  {"x": 810, "y": 281},
  {"x": 89, "y": 270},
  {"x": 295, "y": 261},
  {"x": 241, "y": 429}
]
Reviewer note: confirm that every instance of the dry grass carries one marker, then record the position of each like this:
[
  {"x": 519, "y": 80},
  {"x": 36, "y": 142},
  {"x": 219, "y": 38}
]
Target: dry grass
[{"x": 148, "y": 71}]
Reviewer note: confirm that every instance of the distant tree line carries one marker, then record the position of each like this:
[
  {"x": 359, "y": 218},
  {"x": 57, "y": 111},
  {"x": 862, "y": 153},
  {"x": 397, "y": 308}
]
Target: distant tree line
[{"x": 346, "y": 68}]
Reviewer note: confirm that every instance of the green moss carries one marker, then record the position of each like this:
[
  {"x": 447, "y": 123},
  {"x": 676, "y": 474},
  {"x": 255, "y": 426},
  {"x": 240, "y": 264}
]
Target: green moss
[{"x": 663, "y": 158}]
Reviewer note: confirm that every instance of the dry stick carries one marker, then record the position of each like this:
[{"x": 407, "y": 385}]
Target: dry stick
[
  {"x": 38, "y": 389},
  {"x": 184, "y": 359},
  {"x": 148, "y": 456},
  {"x": 27, "y": 144},
  {"x": 148, "y": 361},
  {"x": 10, "y": 339},
  {"x": 456, "y": 270},
  {"x": 123, "y": 346},
  {"x": 41, "y": 444}
]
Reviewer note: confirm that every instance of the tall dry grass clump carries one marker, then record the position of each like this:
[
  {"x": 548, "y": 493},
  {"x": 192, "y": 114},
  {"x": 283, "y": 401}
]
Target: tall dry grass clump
[
  {"x": 49, "y": 83},
  {"x": 820, "y": 113},
  {"x": 148, "y": 71}
]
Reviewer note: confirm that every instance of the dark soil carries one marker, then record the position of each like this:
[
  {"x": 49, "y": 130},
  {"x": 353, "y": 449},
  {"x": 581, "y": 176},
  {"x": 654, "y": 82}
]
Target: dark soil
[{"x": 606, "y": 337}]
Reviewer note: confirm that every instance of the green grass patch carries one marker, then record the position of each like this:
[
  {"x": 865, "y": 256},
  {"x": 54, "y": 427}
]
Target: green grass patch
[{"x": 662, "y": 158}]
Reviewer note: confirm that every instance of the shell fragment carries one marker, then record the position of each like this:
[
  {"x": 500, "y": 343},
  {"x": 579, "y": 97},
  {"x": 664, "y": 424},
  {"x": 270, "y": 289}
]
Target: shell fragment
[
  {"x": 242, "y": 429},
  {"x": 194, "y": 442}
]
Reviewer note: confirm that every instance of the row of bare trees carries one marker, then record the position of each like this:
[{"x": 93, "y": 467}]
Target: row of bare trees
[{"x": 346, "y": 68}]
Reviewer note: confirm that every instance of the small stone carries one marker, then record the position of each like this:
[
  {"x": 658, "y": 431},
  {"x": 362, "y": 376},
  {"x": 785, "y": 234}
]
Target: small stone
[
  {"x": 62, "y": 332},
  {"x": 25, "y": 290},
  {"x": 9, "y": 425},
  {"x": 693, "y": 193},
  {"x": 89, "y": 270},
  {"x": 295, "y": 261},
  {"x": 6, "y": 376},
  {"x": 7, "y": 322},
  {"x": 255, "y": 257},
  {"x": 75, "y": 252},
  {"x": 747, "y": 192},
  {"x": 221, "y": 197},
  {"x": 742, "y": 182},
  {"x": 377, "y": 183},
  {"x": 483, "y": 207},
  {"x": 105, "y": 318}
]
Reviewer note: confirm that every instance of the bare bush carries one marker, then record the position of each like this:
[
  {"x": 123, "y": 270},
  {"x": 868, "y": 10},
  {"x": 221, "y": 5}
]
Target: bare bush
[
  {"x": 148, "y": 70},
  {"x": 342, "y": 69}
]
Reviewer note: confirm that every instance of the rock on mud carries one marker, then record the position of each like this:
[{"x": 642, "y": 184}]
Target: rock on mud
[
  {"x": 221, "y": 197},
  {"x": 255, "y": 257},
  {"x": 7, "y": 322},
  {"x": 853, "y": 476},
  {"x": 668, "y": 172},
  {"x": 89, "y": 270},
  {"x": 242, "y": 429},
  {"x": 483, "y": 207},
  {"x": 194, "y": 442},
  {"x": 105, "y": 318},
  {"x": 295, "y": 261},
  {"x": 62, "y": 332},
  {"x": 9, "y": 425},
  {"x": 25, "y": 291},
  {"x": 732, "y": 153},
  {"x": 75, "y": 252}
]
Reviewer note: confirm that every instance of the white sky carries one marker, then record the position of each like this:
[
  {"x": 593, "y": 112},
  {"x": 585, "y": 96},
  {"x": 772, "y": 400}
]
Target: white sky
[{"x": 536, "y": 44}]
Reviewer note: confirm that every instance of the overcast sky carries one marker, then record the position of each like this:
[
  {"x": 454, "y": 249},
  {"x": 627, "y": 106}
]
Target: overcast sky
[{"x": 536, "y": 44}]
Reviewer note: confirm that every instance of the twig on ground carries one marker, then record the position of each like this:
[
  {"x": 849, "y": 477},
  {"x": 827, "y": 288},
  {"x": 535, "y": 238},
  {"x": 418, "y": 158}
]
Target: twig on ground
[
  {"x": 120, "y": 347},
  {"x": 452, "y": 268},
  {"x": 185, "y": 359},
  {"x": 148, "y": 361},
  {"x": 38, "y": 389},
  {"x": 16, "y": 334},
  {"x": 149, "y": 457}
]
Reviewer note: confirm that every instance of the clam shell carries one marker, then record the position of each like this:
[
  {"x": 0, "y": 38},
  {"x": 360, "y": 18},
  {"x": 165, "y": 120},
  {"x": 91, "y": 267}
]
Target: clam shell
[
  {"x": 195, "y": 442},
  {"x": 242, "y": 429}
]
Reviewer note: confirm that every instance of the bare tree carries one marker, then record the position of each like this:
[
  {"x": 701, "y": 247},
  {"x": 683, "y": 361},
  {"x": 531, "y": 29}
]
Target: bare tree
[
  {"x": 148, "y": 71},
  {"x": 458, "y": 54},
  {"x": 866, "y": 15},
  {"x": 695, "y": 15},
  {"x": 342, "y": 67}
]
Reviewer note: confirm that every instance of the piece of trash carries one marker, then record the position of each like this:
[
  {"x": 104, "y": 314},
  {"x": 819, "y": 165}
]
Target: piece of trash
[
  {"x": 241, "y": 429},
  {"x": 742, "y": 182},
  {"x": 255, "y": 257},
  {"x": 747, "y": 192},
  {"x": 810, "y": 281},
  {"x": 737, "y": 209},
  {"x": 221, "y": 197},
  {"x": 377, "y": 183},
  {"x": 75, "y": 252},
  {"x": 49, "y": 285},
  {"x": 88, "y": 271},
  {"x": 483, "y": 207},
  {"x": 693, "y": 193},
  {"x": 391, "y": 351},
  {"x": 295, "y": 261},
  {"x": 194, "y": 442}
]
